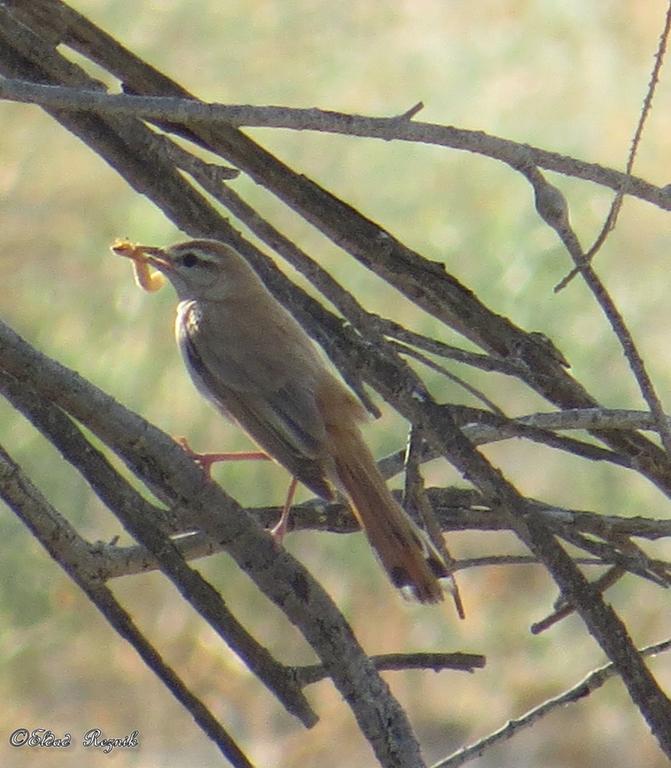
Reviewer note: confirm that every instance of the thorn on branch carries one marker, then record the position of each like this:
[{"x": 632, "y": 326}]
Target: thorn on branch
[{"x": 411, "y": 112}]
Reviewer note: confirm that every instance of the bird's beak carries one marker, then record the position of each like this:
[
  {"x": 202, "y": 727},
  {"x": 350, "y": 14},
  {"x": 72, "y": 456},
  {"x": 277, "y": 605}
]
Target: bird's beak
[
  {"x": 143, "y": 254},
  {"x": 154, "y": 256}
]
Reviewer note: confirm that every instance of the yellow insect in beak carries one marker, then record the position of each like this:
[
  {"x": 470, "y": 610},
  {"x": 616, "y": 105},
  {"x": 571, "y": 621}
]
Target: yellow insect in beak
[{"x": 149, "y": 279}]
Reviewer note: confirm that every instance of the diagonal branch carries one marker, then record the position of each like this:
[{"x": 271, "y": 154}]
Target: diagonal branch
[
  {"x": 616, "y": 205},
  {"x": 585, "y": 687},
  {"x": 127, "y": 505},
  {"x": 424, "y": 282},
  {"x": 549, "y": 204},
  {"x": 60, "y": 541},
  {"x": 175, "y": 478}
]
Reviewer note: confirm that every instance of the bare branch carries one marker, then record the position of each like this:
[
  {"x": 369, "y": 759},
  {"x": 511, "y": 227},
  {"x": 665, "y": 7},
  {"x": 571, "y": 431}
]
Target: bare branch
[
  {"x": 616, "y": 205},
  {"x": 476, "y": 393},
  {"x": 61, "y": 542},
  {"x": 172, "y": 476},
  {"x": 127, "y": 505},
  {"x": 462, "y": 662},
  {"x": 416, "y": 503},
  {"x": 455, "y": 508},
  {"x": 189, "y": 111},
  {"x": 563, "y": 609},
  {"x": 585, "y": 687}
]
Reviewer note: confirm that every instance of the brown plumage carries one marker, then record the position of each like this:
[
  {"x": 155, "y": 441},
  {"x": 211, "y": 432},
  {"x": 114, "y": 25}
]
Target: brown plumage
[{"x": 255, "y": 363}]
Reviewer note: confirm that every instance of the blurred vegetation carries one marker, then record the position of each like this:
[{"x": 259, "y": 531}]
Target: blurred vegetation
[{"x": 566, "y": 76}]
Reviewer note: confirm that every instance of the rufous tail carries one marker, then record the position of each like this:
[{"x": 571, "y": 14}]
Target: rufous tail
[{"x": 412, "y": 562}]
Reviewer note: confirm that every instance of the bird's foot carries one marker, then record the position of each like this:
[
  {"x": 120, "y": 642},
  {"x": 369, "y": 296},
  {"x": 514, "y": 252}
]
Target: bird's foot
[{"x": 206, "y": 460}]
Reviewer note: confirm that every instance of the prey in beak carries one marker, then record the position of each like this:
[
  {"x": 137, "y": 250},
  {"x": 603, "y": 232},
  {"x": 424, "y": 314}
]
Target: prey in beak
[{"x": 149, "y": 263}]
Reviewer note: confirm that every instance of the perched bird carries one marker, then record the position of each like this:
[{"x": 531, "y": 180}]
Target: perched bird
[{"x": 250, "y": 358}]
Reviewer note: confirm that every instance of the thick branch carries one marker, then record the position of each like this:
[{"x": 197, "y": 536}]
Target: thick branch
[
  {"x": 60, "y": 541},
  {"x": 424, "y": 282},
  {"x": 127, "y": 504},
  {"x": 172, "y": 476},
  {"x": 190, "y": 111}
]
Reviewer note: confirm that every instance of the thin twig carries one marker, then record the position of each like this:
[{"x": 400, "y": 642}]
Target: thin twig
[
  {"x": 398, "y": 662},
  {"x": 585, "y": 687},
  {"x": 476, "y": 360},
  {"x": 410, "y": 113},
  {"x": 416, "y": 502},
  {"x": 551, "y": 206},
  {"x": 474, "y": 391},
  {"x": 616, "y": 205},
  {"x": 485, "y": 428},
  {"x": 610, "y": 552},
  {"x": 564, "y": 609}
]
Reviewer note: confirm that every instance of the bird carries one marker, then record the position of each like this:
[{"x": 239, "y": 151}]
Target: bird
[{"x": 253, "y": 361}]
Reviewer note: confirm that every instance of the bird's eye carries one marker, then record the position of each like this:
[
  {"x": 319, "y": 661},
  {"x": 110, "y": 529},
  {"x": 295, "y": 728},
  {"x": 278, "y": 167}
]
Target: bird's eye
[{"x": 189, "y": 259}]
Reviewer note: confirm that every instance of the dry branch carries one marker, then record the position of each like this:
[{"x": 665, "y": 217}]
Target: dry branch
[{"x": 361, "y": 345}]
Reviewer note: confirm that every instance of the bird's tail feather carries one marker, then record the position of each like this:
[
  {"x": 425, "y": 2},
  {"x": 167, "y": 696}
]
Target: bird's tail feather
[{"x": 406, "y": 552}]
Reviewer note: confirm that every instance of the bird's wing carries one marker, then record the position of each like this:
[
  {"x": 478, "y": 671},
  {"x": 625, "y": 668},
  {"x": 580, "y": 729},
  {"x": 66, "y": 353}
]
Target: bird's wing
[{"x": 261, "y": 391}]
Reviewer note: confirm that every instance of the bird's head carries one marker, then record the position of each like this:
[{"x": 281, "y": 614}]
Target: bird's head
[{"x": 197, "y": 269}]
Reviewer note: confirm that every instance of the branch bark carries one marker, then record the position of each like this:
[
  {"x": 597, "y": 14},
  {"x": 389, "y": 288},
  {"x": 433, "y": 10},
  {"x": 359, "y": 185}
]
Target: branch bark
[
  {"x": 61, "y": 541},
  {"x": 175, "y": 479},
  {"x": 359, "y": 345}
]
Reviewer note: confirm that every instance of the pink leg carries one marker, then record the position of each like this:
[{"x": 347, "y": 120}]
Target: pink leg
[
  {"x": 206, "y": 460},
  {"x": 280, "y": 529}
]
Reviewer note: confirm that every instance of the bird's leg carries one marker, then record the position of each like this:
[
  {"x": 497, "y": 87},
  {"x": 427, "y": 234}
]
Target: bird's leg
[
  {"x": 206, "y": 460},
  {"x": 280, "y": 528}
]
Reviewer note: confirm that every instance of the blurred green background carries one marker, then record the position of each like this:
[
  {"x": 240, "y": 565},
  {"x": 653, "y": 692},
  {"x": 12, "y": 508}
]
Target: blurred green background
[{"x": 565, "y": 76}]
